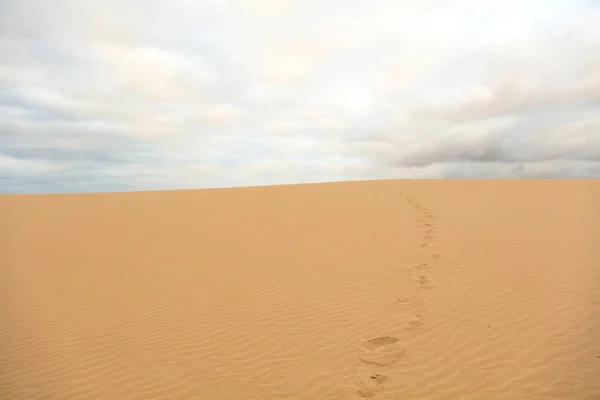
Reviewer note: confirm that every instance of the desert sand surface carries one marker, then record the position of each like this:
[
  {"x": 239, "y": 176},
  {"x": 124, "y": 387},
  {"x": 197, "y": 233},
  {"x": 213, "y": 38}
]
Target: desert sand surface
[{"x": 395, "y": 289}]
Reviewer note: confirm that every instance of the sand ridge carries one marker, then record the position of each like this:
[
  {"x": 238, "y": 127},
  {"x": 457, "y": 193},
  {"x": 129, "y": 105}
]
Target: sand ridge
[{"x": 439, "y": 289}]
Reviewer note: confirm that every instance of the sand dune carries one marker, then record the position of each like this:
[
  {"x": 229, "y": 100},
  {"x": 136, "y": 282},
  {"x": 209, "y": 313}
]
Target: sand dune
[{"x": 450, "y": 289}]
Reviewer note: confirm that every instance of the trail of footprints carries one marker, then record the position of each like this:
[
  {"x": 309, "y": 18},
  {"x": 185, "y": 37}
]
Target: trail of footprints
[{"x": 383, "y": 351}]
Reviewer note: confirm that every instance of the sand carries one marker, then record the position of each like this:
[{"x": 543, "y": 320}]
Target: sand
[{"x": 436, "y": 289}]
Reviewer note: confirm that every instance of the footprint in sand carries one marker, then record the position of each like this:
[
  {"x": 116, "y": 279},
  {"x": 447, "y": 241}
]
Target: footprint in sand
[
  {"x": 370, "y": 384},
  {"x": 383, "y": 350},
  {"x": 422, "y": 282},
  {"x": 414, "y": 323},
  {"x": 421, "y": 266},
  {"x": 406, "y": 299}
]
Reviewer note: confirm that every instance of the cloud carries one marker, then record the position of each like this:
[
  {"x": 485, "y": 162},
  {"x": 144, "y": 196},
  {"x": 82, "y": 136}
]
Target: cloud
[{"x": 120, "y": 95}]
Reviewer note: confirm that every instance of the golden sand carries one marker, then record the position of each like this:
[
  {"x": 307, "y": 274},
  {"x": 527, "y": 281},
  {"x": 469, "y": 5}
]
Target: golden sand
[{"x": 437, "y": 289}]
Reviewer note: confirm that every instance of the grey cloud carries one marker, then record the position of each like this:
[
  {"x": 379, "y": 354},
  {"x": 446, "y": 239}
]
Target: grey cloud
[
  {"x": 540, "y": 170},
  {"x": 515, "y": 144}
]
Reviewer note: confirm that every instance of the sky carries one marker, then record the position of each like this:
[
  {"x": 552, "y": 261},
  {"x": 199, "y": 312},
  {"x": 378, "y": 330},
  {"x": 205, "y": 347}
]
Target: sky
[{"x": 126, "y": 95}]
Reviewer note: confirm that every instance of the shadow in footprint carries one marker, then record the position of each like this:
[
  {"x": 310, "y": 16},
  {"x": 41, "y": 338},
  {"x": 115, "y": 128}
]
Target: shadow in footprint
[{"x": 383, "y": 350}]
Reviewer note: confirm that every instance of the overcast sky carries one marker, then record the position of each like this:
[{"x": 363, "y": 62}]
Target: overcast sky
[{"x": 111, "y": 95}]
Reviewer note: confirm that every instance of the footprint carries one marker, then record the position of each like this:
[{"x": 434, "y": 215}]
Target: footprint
[
  {"x": 406, "y": 299},
  {"x": 370, "y": 384},
  {"x": 421, "y": 266},
  {"x": 436, "y": 255},
  {"x": 383, "y": 350},
  {"x": 425, "y": 244},
  {"x": 422, "y": 282},
  {"x": 414, "y": 323}
]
